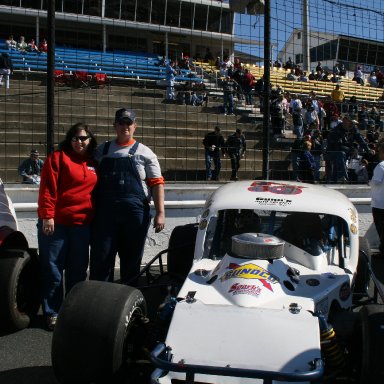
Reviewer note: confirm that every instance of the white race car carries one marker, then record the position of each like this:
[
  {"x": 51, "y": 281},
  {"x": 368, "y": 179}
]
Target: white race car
[{"x": 276, "y": 269}]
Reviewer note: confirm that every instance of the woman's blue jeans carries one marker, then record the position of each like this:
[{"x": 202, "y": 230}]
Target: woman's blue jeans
[{"x": 67, "y": 249}]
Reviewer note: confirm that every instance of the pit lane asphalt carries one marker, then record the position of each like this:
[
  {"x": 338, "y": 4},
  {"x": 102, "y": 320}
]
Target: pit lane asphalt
[{"x": 25, "y": 356}]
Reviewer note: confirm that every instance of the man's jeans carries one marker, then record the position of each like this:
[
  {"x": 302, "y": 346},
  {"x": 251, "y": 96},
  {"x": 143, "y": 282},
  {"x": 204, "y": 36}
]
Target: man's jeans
[
  {"x": 215, "y": 156},
  {"x": 5, "y": 72},
  {"x": 338, "y": 166},
  {"x": 66, "y": 249},
  {"x": 228, "y": 103}
]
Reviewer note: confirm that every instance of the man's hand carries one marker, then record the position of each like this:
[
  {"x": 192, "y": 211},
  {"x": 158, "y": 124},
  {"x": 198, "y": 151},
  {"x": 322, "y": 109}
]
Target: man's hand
[
  {"x": 159, "y": 222},
  {"x": 48, "y": 226}
]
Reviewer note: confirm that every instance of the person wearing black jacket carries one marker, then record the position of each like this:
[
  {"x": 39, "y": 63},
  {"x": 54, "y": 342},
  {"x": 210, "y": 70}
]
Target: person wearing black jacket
[
  {"x": 6, "y": 69},
  {"x": 214, "y": 147},
  {"x": 236, "y": 147},
  {"x": 229, "y": 88}
]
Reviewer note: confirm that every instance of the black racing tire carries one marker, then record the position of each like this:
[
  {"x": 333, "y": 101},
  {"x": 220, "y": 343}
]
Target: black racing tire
[
  {"x": 181, "y": 249},
  {"x": 371, "y": 326},
  {"x": 362, "y": 273},
  {"x": 20, "y": 293},
  {"x": 89, "y": 343}
]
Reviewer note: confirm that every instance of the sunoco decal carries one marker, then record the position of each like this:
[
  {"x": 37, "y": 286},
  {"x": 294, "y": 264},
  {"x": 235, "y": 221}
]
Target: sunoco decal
[
  {"x": 244, "y": 289},
  {"x": 278, "y": 188},
  {"x": 250, "y": 271}
]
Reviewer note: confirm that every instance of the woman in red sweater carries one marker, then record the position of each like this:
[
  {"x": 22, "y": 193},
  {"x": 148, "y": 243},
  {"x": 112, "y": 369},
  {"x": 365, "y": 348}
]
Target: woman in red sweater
[{"x": 65, "y": 210}]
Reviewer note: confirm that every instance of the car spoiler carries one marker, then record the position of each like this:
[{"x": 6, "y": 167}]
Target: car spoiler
[{"x": 161, "y": 356}]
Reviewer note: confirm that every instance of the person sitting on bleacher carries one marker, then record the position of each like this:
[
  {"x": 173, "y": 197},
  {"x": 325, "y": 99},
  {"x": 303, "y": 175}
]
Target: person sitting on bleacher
[
  {"x": 303, "y": 77},
  {"x": 372, "y": 79},
  {"x": 43, "y": 46},
  {"x": 358, "y": 76},
  {"x": 22, "y": 45},
  {"x": 319, "y": 67},
  {"x": 32, "y": 47},
  {"x": 10, "y": 43}
]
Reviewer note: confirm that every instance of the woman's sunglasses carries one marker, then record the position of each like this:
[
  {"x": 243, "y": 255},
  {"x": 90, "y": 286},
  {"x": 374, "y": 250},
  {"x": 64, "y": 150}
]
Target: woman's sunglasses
[{"x": 81, "y": 138}]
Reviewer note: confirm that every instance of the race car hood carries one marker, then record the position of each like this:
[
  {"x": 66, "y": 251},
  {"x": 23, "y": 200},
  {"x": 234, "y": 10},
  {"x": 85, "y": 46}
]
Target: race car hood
[
  {"x": 264, "y": 284},
  {"x": 264, "y": 339}
]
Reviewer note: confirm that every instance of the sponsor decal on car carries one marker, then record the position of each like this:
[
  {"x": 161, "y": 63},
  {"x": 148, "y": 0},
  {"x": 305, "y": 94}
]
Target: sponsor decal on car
[
  {"x": 250, "y": 271},
  {"x": 278, "y": 188},
  {"x": 245, "y": 289},
  {"x": 271, "y": 201},
  {"x": 352, "y": 215}
]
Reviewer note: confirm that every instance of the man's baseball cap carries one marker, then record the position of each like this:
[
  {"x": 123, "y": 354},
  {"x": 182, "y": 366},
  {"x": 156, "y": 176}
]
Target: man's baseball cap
[
  {"x": 34, "y": 152},
  {"x": 125, "y": 115}
]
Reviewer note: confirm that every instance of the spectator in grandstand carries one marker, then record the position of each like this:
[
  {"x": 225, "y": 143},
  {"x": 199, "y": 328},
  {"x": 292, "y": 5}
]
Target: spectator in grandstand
[
  {"x": 30, "y": 168},
  {"x": 352, "y": 106},
  {"x": 277, "y": 63},
  {"x": 312, "y": 75},
  {"x": 226, "y": 67},
  {"x": 372, "y": 79},
  {"x": 32, "y": 47},
  {"x": 289, "y": 64},
  {"x": 319, "y": 76},
  {"x": 6, "y": 69},
  {"x": 319, "y": 67},
  {"x": 380, "y": 78},
  {"x": 291, "y": 76},
  {"x": 377, "y": 196},
  {"x": 208, "y": 58},
  {"x": 65, "y": 210},
  {"x": 10, "y": 43},
  {"x": 122, "y": 202},
  {"x": 338, "y": 96},
  {"x": 306, "y": 163},
  {"x": 343, "y": 70},
  {"x": 298, "y": 71},
  {"x": 326, "y": 77},
  {"x": 335, "y": 79},
  {"x": 170, "y": 74},
  {"x": 185, "y": 63},
  {"x": 237, "y": 66},
  {"x": 358, "y": 77},
  {"x": 375, "y": 118},
  {"x": 277, "y": 113},
  {"x": 311, "y": 118},
  {"x": 303, "y": 77},
  {"x": 260, "y": 88},
  {"x": 317, "y": 151},
  {"x": 218, "y": 62},
  {"x": 363, "y": 117},
  {"x": 214, "y": 145},
  {"x": 43, "y": 46},
  {"x": 297, "y": 117},
  {"x": 336, "y": 70},
  {"x": 229, "y": 88},
  {"x": 330, "y": 109},
  {"x": 236, "y": 147},
  {"x": 336, "y": 152},
  {"x": 22, "y": 45},
  {"x": 248, "y": 83}
]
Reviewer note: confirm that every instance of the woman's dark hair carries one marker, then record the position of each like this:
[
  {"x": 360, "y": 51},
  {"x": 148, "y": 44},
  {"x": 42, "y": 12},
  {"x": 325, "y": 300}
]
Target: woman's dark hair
[{"x": 66, "y": 144}]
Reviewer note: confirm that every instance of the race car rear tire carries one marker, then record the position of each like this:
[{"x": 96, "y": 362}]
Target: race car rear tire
[
  {"x": 371, "y": 321},
  {"x": 181, "y": 250},
  {"x": 20, "y": 293},
  {"x": 89, "y": 342},
  {"x": 362, "y": 273}
]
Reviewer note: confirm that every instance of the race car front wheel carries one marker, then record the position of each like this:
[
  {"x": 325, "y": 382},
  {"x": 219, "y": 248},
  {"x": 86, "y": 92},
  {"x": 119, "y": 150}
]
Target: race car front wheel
[
  {"x": 371, "y": 332},
  {"x": 93, "y": 335},
  {"x": 19, "y": 289}
]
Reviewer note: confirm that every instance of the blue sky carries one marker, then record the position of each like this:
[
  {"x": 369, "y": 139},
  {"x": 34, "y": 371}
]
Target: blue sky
[{"x": 332, "y": 16}]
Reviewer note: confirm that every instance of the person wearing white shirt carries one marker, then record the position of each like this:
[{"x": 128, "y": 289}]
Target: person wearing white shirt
[{"x": 377, "y": 197}]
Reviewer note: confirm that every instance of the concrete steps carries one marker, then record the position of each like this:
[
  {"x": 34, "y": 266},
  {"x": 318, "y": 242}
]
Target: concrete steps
[{"x": 174, "y": 132}]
